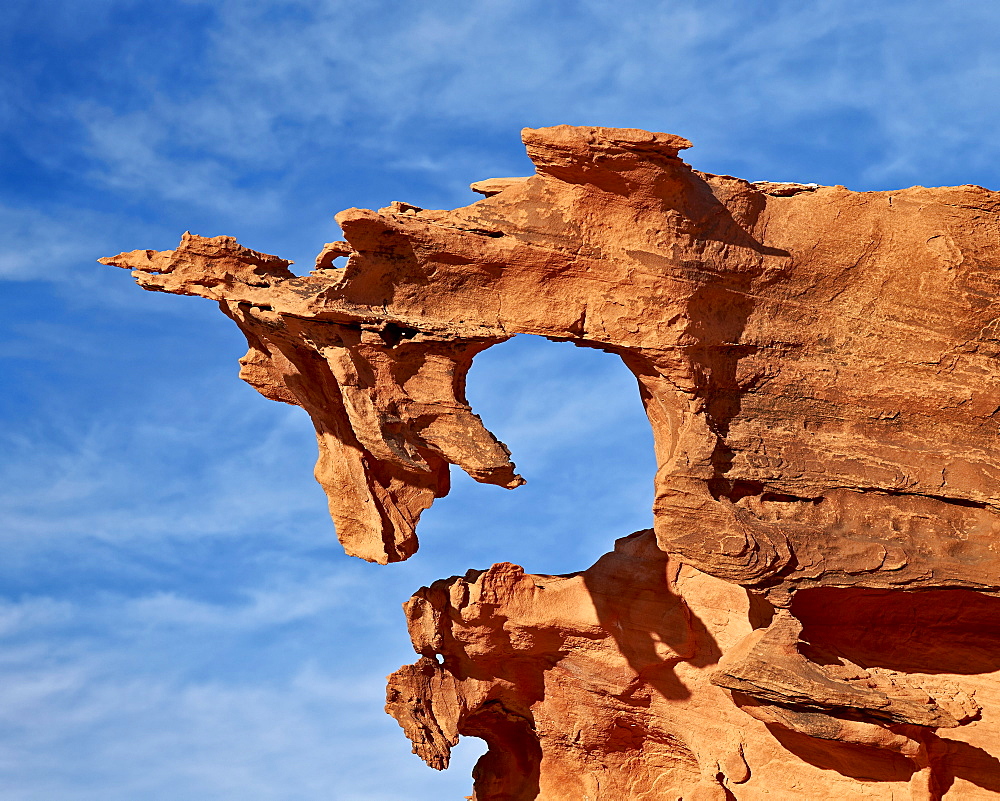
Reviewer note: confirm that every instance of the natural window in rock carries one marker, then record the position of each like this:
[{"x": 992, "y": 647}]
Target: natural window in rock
[{"x": 812, "y": 611}]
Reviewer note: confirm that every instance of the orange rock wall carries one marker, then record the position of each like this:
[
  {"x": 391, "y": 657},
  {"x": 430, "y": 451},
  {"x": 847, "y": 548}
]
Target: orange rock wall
[{"x": 814, "y": 614}]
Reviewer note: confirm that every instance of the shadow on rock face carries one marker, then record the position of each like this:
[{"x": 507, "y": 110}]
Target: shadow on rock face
[
  {"x": 847, "y": 759},
  {"x": 956, "y": 760},
  {"x": 651, "y": 624}
]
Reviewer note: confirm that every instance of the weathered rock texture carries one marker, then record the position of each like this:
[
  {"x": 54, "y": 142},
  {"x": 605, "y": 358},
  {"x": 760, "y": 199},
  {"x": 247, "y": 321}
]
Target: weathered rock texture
[{"x": 816, "y": 614}]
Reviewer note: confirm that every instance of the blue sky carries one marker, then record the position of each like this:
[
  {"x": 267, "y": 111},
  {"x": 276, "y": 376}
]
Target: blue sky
[{"x": 176, "y": 620}]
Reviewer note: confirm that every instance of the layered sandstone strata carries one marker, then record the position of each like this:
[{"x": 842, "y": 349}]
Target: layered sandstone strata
[{"x": 815, "y": 613}]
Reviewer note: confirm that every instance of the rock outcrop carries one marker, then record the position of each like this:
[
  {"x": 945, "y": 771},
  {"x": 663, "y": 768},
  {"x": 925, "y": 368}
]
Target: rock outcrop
[
  {"x": 815, "y": 614},
  {"x": 606, "y": 684}
]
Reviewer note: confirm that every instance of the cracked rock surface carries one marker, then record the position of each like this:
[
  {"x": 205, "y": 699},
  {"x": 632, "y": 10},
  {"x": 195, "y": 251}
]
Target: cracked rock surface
[{"x": 815, "y": 612}]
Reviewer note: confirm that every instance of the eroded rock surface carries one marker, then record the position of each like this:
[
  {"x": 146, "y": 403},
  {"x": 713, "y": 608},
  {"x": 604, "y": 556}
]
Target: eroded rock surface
[
  {"x": 815, "y": 614},
  {"x": 604, "y": 685}
]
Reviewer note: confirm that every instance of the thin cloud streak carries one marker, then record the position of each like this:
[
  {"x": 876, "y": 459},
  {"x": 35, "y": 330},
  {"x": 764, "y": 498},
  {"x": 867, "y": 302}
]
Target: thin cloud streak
[{"x": 655, "y": 66}]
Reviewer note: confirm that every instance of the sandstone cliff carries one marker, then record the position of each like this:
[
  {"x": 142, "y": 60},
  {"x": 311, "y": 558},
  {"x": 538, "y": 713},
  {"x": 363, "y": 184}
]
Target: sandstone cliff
[{"x": 815, "y": 614}]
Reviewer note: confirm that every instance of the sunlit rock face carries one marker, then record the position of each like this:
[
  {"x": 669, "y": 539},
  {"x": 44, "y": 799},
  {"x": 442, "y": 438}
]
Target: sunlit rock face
[{"x": 815, "y": 614}]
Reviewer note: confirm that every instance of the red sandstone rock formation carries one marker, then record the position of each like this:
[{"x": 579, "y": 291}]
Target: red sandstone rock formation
[
  {"x": 816, "y": 613},
  {"x": 605, "y": 685}
]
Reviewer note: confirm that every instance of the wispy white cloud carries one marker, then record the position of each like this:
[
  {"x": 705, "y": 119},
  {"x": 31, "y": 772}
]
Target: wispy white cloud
[
  {"x": 375, "y": 71},
  {"x": 32, "y": 614},
  {"x": 36, "y": 243},
  {"x": 265, "y": 606},
  {"x": 112, "y": 479},
  {"x": 85, "y": 721},
  {"x": 193, "y": 153}
]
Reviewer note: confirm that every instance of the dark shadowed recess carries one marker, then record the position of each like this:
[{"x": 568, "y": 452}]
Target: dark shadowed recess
[
  {"x": 947, "y": 631},
  {"x": 930, "y": 631}
]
